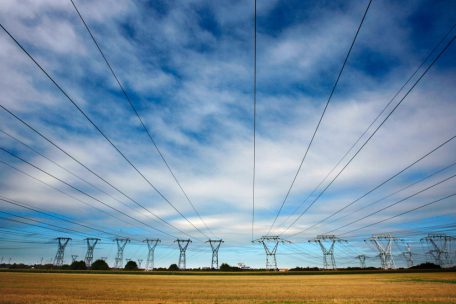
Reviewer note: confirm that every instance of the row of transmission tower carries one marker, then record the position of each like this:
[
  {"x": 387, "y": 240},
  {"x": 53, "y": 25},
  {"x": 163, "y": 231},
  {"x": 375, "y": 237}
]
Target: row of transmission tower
[
  {"x": 121, "y": 243},
  {"x": 439, "y": 250}
]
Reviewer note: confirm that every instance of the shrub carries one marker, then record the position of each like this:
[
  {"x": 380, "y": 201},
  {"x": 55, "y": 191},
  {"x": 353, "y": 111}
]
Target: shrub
[
  {"x": 426, "y": 266},
  {"x": 78, "y": 265},
  {"x": 173, "y": 267},
  {"x": 227, "y": 267},
  {"x": 131, "y": 265},
  {"x": 99, "y": 265}
]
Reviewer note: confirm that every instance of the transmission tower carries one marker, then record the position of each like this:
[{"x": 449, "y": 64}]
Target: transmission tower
[
  {"x": 151, "y": 244},
  {"x": 91, "y": 243},
  {"x": 440, "y": 248},
  {"x": 407, "y": 254},
  {"x": 183, "y": 244},
  {"x": 215, "y": 246},
  {"x": 74, "y": 257},
  {"x": 270, "y": 244},
  {"x": 61, "y": 243},
  {"x": 121, "y": 243},
  {"x": 327, "y": 242},
  {"x": 362, "y": 260},
  {"x": 139, "y": 263},
  {"x": 384, "y": 243}
]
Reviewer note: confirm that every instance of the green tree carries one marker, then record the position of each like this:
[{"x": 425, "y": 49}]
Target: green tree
[
  {"x": 78, "y": 265},
  {"x": 100, "y": 265},
  {"x": 131, "y": 265},
  {"x": 173, "y": 267}
]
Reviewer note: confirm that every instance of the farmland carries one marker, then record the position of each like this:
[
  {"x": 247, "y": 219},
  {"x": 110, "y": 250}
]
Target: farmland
[{"x": 29, "y": 287}]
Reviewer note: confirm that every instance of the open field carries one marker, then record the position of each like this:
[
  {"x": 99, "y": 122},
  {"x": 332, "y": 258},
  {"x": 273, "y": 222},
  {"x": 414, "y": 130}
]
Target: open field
[{"x": 109, "y": 288}]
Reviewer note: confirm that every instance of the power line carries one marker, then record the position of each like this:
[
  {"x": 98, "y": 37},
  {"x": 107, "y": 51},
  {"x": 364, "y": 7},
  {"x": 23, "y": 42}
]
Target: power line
[
  {"x": 87, "y": 168},
  {"x": 40, "y": 222},
  {"x": 375, "y": 131},
  {"x": 396, "y": 192},
  {"x": 322, "y": 115},
  {"x": 64, "y": 193},
  {"x": 402, "y": 213},
  {"x": 16, "y": 203},
  {"x": 395, "y": 203},
  {"x": 85, "y": 193},
  {"x": 373, "y": 122},
  {"x": 379, "y": 185},
  {"x": 100, "y": 131},
  {"x": 61, "y": 167},
  {"x": 254, "y": 112},
  {"x": 127, "y": 97}
]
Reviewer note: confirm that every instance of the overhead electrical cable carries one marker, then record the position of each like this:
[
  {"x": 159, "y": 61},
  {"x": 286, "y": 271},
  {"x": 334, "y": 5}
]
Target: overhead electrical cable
[
  {"x": 395, "y": 192},
  {"x": 395, "y": 203},
  {"x": 372, "y": 123},
  {"x": 379, "y": 185},
  {"x": 86, "y": 167},
  {"x": 373, "y": 133},
  {"x": 16, "y": 203},
  {"x": 40, "y": 222},
  {"x": 402, "y": 213},
  {"x": 64, "y": 193},
  {"x": 61, "y": 167},
  {"x": 85, "y": 193},
  {"x": 130, "y": 102},
  {"x": 254, "y": 111},
  {"x": 321, "y": 116},
  {"x": 101, "y": 132}
]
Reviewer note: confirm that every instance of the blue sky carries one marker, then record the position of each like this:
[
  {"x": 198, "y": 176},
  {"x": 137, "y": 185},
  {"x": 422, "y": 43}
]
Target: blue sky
[{"x": 188, "y": 68}]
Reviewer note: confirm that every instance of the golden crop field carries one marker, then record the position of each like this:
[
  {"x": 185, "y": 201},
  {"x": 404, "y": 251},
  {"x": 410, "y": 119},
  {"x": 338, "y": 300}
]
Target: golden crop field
[{"x": 112, "y": 288}]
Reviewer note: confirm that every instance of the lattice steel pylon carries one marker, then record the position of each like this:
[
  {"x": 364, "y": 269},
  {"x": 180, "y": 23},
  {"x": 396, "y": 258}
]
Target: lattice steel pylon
[
  {"x": 183, "y": 244},
  {"x": 440, "y": 248},
  {"x": 328, "y": 251},
  {"x": 408, "y": 256},
  {"x": 74, "y": 257},
  {"x": 215, "y": 246},
  {"x": 62, "y": 242},
  {"x": 362, "y": 260},
  {"x": 121, "y": 243},
  {"x": 383, "y": 242},
  {"x": 271, "y": 250},
  {"x": 151, "y": 244},
  {"x": 91, "y": 243},
  {"x": 140, "y": 263}
]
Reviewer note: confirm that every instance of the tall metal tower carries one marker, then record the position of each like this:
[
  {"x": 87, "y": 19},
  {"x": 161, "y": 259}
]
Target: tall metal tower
[
  {"x": 215, "y": 246},
  {"x": 121, "y": 243},
  {"x": 270, "y": 244},
  {"x": 407, "y": 254},
  {"x": 440, "y": 248},
  {"x": 151, "y": 244},
  {"x": 327, "y": 242},
  {"x": 61, "y": 243},
  {"x": 383, "y": 242},
  {"x": 139, "y": 263},
  {"x": 74, "y": 257},
  {"x": 183, "y": 244},
  {"x": 362, "y": 260},
  {"x": 91, "y": 243}
]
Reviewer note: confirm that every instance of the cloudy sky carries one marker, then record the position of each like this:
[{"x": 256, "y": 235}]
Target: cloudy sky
[{"x": 187, "y": 67}]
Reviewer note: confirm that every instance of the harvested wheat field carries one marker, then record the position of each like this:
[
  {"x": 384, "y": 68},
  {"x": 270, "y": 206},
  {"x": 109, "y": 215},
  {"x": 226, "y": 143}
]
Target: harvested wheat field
[{"x": 111, "y": 288}]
